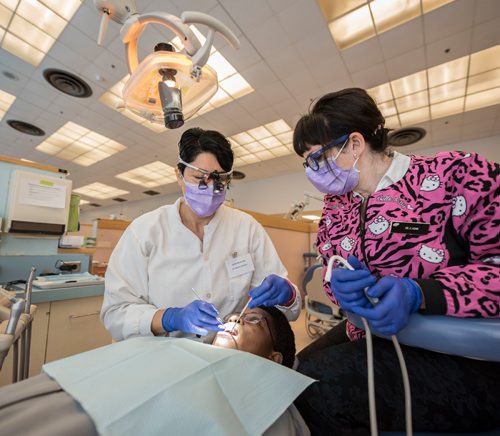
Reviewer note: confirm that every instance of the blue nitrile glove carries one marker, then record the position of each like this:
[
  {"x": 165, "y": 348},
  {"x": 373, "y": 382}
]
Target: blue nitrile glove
[
  {"x": 398, "y": 299},
  {"x": 197, "y": 317},
  {"x": 348, "y": 286},
  {"x": 273, "y": 290}
]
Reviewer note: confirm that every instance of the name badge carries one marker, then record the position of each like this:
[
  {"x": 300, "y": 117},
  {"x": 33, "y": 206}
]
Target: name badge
[
  {"x": 410, "y": 228},
  {"x": 238, "y": 266}
]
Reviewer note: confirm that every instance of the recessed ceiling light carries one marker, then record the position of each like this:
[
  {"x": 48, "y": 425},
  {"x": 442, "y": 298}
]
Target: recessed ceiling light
[
  {"x": 30, "y": 28},
  {"x": 150, "y": 175},
  {"x": 6, "y": 101},
  {"x": 79, "y": 145},
  {"x": 354, "y": 21},
  {"x": 100, "y": 191},
  {"x": 468, "y": 83},
  {"x": 262, "y": 143}
]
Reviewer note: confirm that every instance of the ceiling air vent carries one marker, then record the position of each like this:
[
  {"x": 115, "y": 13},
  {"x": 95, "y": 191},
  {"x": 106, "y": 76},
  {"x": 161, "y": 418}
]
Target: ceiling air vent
[
  {"x": 119, "y": 199},
  {"x": 238, "y": 175},
  {"x": 67, "y": 82},
  {"x": 150, "y": 192},
  {"x": 27, "y": 128},
  {"x": 94, "y": 204},
  {"x": 405, "y": 136}
]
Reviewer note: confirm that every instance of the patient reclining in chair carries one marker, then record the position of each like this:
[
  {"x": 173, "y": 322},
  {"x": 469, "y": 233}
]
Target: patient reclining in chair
[{"x": 154, "y": 385}]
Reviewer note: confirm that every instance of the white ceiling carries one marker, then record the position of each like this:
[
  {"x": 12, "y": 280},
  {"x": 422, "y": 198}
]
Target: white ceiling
[{"x": 287, "y": 55}]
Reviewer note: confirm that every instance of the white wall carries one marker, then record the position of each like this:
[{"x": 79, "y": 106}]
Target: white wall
[{"x": 276, "y": 194}]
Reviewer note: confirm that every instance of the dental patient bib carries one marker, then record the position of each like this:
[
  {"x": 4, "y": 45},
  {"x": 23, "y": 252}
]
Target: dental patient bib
[{"x": 156, "y": 385}]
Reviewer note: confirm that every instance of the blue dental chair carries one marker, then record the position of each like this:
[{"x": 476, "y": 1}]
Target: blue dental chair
[{"x": 476, "y": 338}]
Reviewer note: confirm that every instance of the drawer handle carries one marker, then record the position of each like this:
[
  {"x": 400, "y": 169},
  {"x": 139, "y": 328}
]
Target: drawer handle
[{"x": 82, "y": 316}]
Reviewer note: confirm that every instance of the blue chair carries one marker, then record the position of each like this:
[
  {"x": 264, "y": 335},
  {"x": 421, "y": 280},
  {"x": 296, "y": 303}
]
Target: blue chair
[
  {"x": 321, "y": 313},
  {"x": 476, "y": 338}
]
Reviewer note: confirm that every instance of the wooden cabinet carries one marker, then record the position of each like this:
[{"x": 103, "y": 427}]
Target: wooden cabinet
[
  {"x": 75, "y": 327},
  {"x": 107, "y": 234},
  {"x": 61, "y": 329}
]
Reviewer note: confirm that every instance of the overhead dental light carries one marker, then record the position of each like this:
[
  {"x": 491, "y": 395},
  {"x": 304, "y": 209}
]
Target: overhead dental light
[{"x": 166, "y": 87}]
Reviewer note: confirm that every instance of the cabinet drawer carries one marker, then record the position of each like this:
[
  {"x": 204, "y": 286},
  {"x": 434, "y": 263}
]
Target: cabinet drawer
[{"x": 75, "y": 327}]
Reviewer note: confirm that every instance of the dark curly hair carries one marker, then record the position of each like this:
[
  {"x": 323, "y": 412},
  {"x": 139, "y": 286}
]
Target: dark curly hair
[{"x": 284, "y": 339}]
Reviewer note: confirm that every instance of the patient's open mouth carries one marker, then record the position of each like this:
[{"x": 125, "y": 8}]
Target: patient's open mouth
[{"x": 230, "y": 329}]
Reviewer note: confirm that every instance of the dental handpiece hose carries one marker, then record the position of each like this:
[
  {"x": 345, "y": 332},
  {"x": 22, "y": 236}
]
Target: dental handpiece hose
[{"x": 369, "y": 349}]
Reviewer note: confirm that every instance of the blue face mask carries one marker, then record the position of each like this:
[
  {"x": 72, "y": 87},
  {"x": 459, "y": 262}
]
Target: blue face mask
[{"x": 327, "y": 176}]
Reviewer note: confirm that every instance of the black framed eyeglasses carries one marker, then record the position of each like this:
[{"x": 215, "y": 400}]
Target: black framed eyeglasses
[
  {"x": 251, "y": 318},
  {"x": 313, "y": 159}
]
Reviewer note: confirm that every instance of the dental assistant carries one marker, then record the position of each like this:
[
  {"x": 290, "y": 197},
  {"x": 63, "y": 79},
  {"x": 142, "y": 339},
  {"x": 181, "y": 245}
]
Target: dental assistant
[
  {"x": 422, "y": 235},
  {"x": 198, "y": 244}
]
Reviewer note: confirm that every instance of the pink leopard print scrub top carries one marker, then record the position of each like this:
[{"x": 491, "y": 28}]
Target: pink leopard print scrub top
[{"x": 454, "y": 258}]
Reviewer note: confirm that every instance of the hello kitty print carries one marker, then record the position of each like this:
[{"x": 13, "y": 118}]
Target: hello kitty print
[{"x": 456, "y": 197}]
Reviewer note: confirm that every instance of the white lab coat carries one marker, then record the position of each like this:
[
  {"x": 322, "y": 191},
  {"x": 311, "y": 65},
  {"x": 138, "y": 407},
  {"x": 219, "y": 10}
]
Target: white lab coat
[{"x": 158, "y": 260}]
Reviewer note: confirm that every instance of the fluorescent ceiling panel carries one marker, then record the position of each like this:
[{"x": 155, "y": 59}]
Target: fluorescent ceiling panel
[
  {"x": 231, "y": 87},
  {"x": 29, "y": 28},
  {"x": 262, "y": 143},
  {"x": 354, "y": 21},
  {"x": 6, "y": 101},
  {"x": 79, "y": 145},
  {"x": 100, "y": 191},
  {"x": 150, "y": 175},
  {"x": 464, "y": 84}
]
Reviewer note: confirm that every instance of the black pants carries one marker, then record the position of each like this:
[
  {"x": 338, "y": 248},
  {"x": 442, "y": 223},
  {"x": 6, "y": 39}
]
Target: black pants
[{"x": 449, "y": 393}]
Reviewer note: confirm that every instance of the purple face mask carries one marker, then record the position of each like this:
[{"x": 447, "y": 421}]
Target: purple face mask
[
  {"x": 331, "y": 179},
  {"x": 203, "y": 202}
]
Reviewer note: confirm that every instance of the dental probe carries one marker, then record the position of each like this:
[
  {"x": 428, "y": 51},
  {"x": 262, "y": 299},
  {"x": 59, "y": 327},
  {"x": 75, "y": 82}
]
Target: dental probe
[
  {"x": 241, "y": 314},
  {"x": 199, "y": 298}
]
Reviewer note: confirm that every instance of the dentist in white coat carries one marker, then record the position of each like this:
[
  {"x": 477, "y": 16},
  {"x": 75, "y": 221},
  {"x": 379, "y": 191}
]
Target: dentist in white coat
[{"x": 197, "y": 243}]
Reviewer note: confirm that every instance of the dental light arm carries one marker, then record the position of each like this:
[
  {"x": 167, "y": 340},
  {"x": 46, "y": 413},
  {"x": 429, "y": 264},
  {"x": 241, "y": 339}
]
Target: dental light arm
[
  {"x": 200, "y": 58},
  {"x": 135, "y": 24}
]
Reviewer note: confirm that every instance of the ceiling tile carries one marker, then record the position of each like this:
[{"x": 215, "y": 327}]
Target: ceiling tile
[
  {"x": 486, "y": 10},
  {"x": 402, "y": 39},
  {"x": 370, "y": 77},
  {"x": 406, "y": 64},
  {"x": 448, "y": 20},
  {"x": 363, "y": 55},
  {"x": 448, "y": 49},
  {"x": 486, "y": 35}
]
